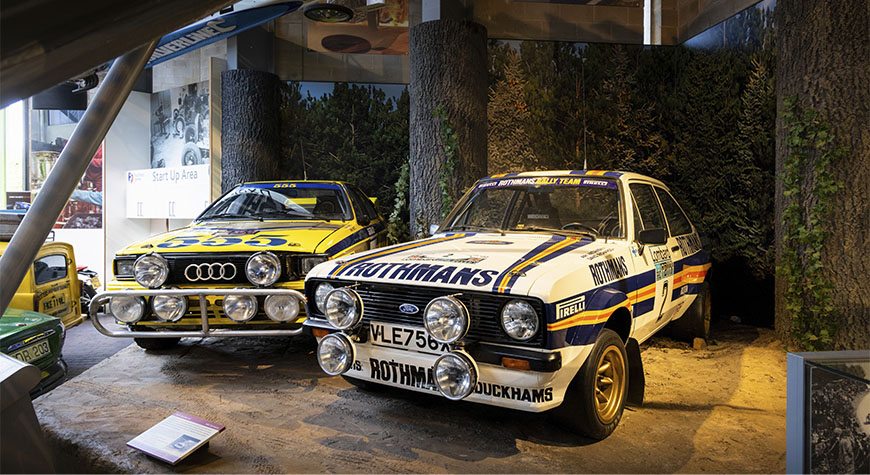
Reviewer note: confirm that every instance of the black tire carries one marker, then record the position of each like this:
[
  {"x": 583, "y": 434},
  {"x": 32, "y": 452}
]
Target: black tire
[
  {"x": 582, "y": 411},
  {"x": 190, "y": 134},
  {"x": 178, "y": 126},
  {"x": 191, "y": 154},
  {"x": 364, "y": 385},
  {"x": 85, "y": 297},
  {"x": 695, "y": 323}
]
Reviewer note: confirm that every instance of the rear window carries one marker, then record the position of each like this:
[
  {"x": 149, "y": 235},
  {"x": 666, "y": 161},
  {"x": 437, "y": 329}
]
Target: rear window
[{"x": 49, "y": 268}]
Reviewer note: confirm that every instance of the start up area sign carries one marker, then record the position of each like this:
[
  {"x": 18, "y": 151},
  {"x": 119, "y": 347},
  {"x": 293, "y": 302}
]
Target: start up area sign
[{"x": 171, "y": 193}]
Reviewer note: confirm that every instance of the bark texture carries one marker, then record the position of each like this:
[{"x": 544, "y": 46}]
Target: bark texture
[
  {"x": 251, "y": 127},
  {"x": 824, "y": 60},
  {"x": 448, "y": 68}
]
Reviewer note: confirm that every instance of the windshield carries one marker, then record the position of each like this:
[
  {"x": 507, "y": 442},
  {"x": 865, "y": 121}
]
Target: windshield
[
  {"x": 563, "y": 205},
  {"x": 321, "y": 201}
]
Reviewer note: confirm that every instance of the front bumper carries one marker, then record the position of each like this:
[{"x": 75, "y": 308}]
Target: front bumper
[
  {"x": 204, "y": 324},
  {"x": 525, "y": 390},
  {"x": 51, "y": 378}
]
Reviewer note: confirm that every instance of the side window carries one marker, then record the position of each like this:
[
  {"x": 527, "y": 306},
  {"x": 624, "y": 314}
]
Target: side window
[
  {"x": 648, "y": 205},
  {"x": 361, "y": 205},
  {"x": 677, "y": 220},
  {"x": 49, "y": 268}
]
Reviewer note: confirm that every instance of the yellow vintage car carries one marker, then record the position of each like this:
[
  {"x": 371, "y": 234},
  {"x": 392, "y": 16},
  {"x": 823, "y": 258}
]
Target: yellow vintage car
[
  {"x": 51, "y": 285},
  {"x": 243, "y": 261}
]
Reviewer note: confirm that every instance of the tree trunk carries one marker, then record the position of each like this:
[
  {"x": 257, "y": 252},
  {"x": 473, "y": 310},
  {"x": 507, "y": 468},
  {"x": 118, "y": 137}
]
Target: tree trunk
[
  {"x": 448, "y": 68},
  {"x": 824, "y": 60},
  {"x": 250, "y": 127}
]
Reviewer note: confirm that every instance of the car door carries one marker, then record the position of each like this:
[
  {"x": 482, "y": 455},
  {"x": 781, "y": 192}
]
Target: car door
[
  {"x": 366, "y": 213},
  {"x": 56, "y": 286},
  {"x": 654, "y": 264},
  {"x": 682, "y": 243}
]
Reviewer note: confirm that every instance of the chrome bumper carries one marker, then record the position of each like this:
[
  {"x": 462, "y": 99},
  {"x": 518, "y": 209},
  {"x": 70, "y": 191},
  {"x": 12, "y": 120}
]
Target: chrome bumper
[{"x": 102, "y": 299}]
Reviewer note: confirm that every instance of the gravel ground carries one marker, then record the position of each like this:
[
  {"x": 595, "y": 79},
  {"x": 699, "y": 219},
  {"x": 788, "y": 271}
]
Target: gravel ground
[{"x": 721, "y": 409}]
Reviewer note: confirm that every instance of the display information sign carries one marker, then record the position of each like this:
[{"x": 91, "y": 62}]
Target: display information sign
[
  {"x": 175, "y": 437},
  {"x": 173, "y": 192}
]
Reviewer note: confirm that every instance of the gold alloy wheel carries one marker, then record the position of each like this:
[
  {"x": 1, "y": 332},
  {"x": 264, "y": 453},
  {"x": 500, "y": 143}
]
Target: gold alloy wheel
[{"x": 609, "y": 384}]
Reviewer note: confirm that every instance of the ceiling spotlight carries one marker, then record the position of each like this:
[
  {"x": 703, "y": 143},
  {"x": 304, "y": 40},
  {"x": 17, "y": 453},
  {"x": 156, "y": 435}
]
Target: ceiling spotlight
[{"x": 328, "y": 13}]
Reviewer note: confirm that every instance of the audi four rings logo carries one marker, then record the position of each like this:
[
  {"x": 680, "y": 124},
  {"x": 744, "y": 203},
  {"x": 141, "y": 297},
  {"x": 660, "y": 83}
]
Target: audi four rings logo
[{"x": 213, "y": 271}]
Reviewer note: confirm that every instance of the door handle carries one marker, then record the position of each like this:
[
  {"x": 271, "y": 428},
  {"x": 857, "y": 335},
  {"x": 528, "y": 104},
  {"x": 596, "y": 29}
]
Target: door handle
[{"x": 675, "y": 248}]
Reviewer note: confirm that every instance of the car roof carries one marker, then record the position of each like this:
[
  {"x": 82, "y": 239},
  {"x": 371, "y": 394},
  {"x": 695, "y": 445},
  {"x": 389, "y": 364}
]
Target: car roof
[
  {"x": 624, "y": 176},
  {"x": 331, "y": 182}
]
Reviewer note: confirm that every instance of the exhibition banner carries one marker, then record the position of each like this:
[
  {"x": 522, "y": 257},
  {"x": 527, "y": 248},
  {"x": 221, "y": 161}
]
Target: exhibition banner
[{"x": 171, "y": 192}]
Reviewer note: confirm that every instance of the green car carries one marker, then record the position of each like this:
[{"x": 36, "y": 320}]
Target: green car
[{"x": 37, "y": 339}]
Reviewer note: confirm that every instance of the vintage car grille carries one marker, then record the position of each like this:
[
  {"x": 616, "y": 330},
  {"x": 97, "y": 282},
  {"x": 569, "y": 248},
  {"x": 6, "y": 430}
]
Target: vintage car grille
[
  {"x": 219, "y": 268},
  {"x": 381, "y": 303}
]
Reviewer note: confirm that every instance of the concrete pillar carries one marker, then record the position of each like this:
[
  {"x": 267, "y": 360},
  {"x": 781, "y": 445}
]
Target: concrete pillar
[
  {"x": 250, "y": 127},
  {"x": 448, "y": 69}
]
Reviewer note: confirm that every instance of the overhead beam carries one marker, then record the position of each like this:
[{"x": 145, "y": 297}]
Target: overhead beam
[{"x": 45, "y": 42}]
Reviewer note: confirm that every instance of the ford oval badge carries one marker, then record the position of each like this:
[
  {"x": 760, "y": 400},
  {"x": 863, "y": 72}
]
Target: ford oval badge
[{"x": 408, "y": 308}]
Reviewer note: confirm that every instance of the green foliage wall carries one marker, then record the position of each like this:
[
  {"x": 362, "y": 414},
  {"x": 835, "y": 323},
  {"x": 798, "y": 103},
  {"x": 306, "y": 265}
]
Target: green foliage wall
[
  {"x": 355, "y": 134},
  {"x": 701, "y": 120}
]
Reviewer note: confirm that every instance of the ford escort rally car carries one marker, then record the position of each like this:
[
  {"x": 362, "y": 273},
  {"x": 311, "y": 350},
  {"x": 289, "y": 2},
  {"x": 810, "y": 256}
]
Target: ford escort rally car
[
  {"x": 526, "y": 297},
  {"x": 238, "y": 268}
]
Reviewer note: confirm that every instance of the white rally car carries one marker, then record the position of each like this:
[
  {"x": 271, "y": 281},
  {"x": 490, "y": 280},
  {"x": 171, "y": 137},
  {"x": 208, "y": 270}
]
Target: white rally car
[{"x": 526, "y": 297}]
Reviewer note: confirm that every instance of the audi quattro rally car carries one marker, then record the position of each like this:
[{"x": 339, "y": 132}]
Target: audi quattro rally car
[
  {"x": 246, "y": 255},
  {"x": 526, "y": 297}
]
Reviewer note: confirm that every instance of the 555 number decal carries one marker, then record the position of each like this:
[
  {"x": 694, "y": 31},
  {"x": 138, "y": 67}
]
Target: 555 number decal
[{"x": 260, "y": 240}]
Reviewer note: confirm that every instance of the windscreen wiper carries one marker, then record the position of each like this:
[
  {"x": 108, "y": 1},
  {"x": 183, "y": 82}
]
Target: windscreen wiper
[
  {"x": 479, "y": 228},
  {"x": 560, "y": 232},
  {"x": 229, "y": 215}
]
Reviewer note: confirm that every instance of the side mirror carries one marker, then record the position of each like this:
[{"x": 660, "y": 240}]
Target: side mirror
[
  {"x": 433, "y": 228},
  {"x": 364, "y": 220},
  {"x": 653, "y": 236}
]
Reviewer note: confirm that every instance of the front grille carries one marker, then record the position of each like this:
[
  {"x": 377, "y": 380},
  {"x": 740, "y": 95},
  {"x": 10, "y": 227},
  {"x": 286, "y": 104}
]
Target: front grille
[{"x": 381, "y": 304}]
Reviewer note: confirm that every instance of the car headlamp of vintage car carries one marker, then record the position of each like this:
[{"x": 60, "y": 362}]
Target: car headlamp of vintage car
[
  {"x": 169, "y": 308},
  {"x": 151, "y": 270},
  {"x": 344, "y": 308},
  {"x": 519, "y": 320},
  {"x": 281, "y": 308},
  {"x": 124, "y": 268},
  {"x": 455, "y": 375},
  {"x": 320, "y": 292},
  {"x": 308, "y": 263},
  {"x": 263, "y": 269},
  {"x": 126, "y": 308},
  {"x": 335, "y": 354},
  {"x": 446, "y": 319},
  {"x": 240, "y": 308}
]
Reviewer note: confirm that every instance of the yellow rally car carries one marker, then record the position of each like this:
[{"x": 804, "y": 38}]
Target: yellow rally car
[
  {"x": 246, "y": 256},
  {"x": 51, "y": 285}
]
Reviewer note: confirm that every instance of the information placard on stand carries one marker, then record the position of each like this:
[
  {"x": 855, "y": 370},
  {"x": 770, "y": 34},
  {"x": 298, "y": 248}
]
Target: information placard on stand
[{"x": 176, "y": 437}]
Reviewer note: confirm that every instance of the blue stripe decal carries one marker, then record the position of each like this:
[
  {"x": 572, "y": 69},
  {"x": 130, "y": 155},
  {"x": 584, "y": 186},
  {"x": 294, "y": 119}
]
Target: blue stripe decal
[
  {"x": 369, "y": 232},
  {"x": 570, "y": 247}
]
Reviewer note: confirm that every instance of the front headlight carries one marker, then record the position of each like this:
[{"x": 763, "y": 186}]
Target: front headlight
[
  {"x": 320, "y": 293},
  {"x": 127, "y": 309},
  {"x": 281, "y": 308},
  {"x": 308, "y": 263},
  {"x": 335, "y": 354},
  {"x": 446, "y": 319},
  {"x": 343, "y": 308},
  {"x": 124, "y": 268},
  {"x": 519, "y": 320},
  {"x": 240, "y": 308},
  {"x": 263, "y": 269},
  {"x": 455, "y": 375},
  {"x": 169, "y": 308},
  {"x": 151, "y": 270}
]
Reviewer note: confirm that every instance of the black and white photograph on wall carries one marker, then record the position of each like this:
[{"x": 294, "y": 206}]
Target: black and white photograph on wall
[
  {"x": 840, "y": 419},
  {"x": 179, "y": 126}
]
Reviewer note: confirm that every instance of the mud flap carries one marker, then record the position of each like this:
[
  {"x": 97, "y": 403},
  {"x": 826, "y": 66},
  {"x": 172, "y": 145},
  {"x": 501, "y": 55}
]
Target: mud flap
[{"x": 636, "y": 379}]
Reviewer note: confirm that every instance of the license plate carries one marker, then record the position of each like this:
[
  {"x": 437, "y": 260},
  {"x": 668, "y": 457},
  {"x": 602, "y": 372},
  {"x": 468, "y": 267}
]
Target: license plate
[
  {"x": 408, "y": 338},
  {"x": 32, "y": 352},
  {"x": 95, "y": 282}
]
